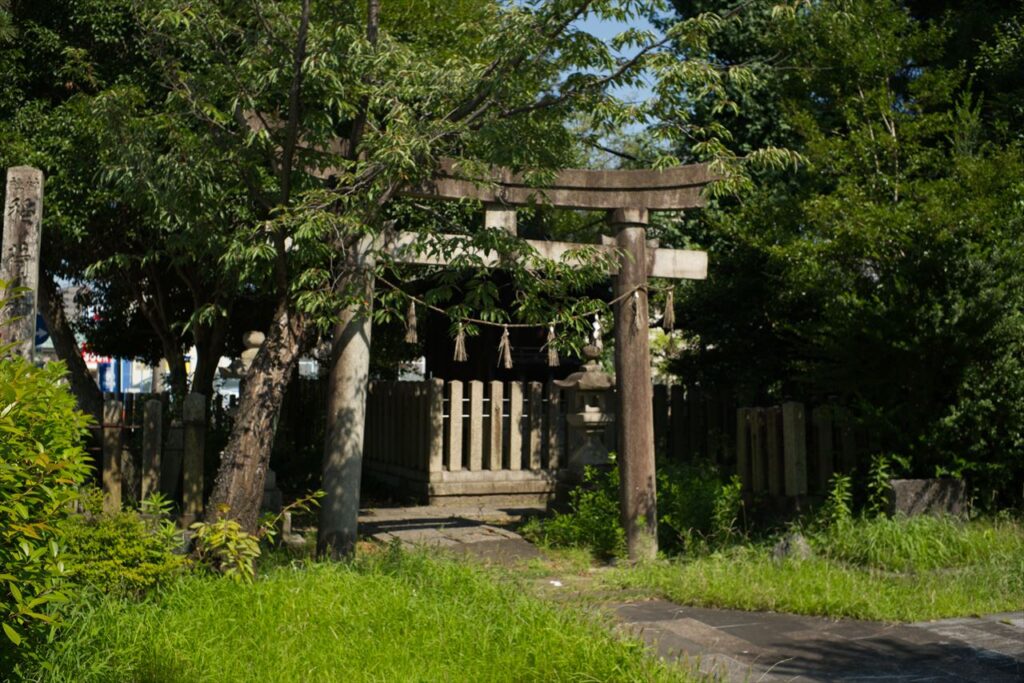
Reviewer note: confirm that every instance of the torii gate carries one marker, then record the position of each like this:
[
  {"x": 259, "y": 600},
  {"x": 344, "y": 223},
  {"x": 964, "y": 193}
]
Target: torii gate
[{"x": 629, "y": 196}]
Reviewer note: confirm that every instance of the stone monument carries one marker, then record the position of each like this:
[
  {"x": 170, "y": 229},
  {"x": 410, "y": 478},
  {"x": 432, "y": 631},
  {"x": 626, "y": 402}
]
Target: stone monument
[{"x": 19, "y": 259}]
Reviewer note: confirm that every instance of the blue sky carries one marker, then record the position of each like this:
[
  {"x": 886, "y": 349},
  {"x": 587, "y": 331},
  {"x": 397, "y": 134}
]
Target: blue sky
[{"x": 606, "y": 30}]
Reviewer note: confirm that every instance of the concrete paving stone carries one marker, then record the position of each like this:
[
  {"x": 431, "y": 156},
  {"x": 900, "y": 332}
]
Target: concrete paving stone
[
  {"x": 855, "y": 630},
  {"x": 668, "y": 645},
  {"x": 728, "y": 618},
  {"x": 981, "y": 639},
  {"x": 504, "y": 551},
  {"x": 711, "y": 638},
  {"x": 724, "y": 667},
  {"x": 648, "y": 610},
  {"x": 998, "y": 628}
]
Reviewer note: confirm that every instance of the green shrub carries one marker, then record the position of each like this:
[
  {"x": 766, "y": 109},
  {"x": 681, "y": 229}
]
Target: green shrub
[
  {"x": 593, "y": 518},
  {"x": 696, "y": 510},
  {"x": 123, "y": 552},
  {"x": 42, "y": 463}
]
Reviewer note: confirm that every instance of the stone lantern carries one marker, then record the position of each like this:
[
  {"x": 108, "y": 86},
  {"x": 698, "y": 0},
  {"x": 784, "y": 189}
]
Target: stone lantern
[{"x": 590, "y": 411}]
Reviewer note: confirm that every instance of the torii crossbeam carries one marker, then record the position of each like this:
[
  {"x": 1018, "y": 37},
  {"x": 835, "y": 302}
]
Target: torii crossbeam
[{"x": 629, "y": 196}]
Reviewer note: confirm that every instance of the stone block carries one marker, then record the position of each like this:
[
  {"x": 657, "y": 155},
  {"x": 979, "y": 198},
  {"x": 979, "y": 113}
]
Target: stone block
[{"x": 928, "y": 497}]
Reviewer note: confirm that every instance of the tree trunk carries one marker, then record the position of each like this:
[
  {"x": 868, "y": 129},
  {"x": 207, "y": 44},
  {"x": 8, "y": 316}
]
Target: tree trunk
[
  {"x": 346, "y": 421},
  {"x": 210, "y": 344},
  {"x": 83, "y": 386},
  {"x": 238, "y": 489},
  {"x": 178, "y": 373}
]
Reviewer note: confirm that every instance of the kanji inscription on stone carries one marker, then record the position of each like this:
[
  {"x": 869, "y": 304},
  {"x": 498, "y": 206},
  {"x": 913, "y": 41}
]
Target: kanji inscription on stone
[{"x": 19, "y": 258}]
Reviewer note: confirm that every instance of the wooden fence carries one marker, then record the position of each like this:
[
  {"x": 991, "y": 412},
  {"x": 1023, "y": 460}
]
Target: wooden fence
[
  {"x": 147, "y": 448},
  {"x": 443, "y": 439},
  {"x": 790, "y": 451},
  {"x": 439, "y": 439}
]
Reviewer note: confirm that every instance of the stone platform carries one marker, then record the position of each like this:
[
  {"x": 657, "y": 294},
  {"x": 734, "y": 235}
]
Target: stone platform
[{"x": 482, "y": 532}]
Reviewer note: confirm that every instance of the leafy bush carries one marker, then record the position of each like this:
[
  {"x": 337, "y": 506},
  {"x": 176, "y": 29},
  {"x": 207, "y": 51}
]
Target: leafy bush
[
  {"x": 124, "y": 552},
  {"x": 593, "y": 518},
  {"x": 225, "y": 547},
  {"x": 696, "y": 511},
  {"x": 42, "y": 463}
]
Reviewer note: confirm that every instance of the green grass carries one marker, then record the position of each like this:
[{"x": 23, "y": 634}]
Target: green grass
[
  {"x": 394, "y": 618},
  {"x": 889, "y": 570},
  {"x": 923, "y": 543}
]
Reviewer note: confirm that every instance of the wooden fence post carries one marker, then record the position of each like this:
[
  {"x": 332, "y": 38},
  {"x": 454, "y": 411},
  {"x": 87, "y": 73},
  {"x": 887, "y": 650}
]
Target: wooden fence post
[
  {"x": 515, "y": 425},
  {"x": 774, "y": 443},
  {"x": 111, "y": 454},
  {"x": 758, "y": 457},
  {"x": 194, "y": 417},
  {"x": 847, "y": 441},
  {"x": 436, "y": 405},
  {"x": 476, "y": 425},
  {"x": 497, "y": 425},
  {"x": 794, "y": 439},
  {"x": 555, "y": 438},
  {"x": 742, "y": 446},
  {"x": 536, "y": 424},
  {"x": 677, "y": 430},
  {"x": 822, "y": 419},
  {"x": 152, "y": 440},
  {"x": 661, "y": 440},
  {"x": 454, "y": 426}
]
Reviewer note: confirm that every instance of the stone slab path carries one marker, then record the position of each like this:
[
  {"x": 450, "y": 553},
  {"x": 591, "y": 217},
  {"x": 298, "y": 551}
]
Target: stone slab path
[
  {"x": 752, "y": 646},
  {"x": 733, "y": 645},
  {"x": 474, "y": 531}
]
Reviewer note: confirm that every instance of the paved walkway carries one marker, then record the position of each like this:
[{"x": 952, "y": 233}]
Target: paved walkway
[
  {"x": 751, "y": 646},
  {"x": 744, "y": 646},
  {"x": 475, "y": 531}
]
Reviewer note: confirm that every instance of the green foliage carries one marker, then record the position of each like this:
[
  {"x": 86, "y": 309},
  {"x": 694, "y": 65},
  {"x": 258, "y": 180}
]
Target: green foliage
[
  {"x": 592, "y": 521},
  {"x": 697, "y": 512},
  {"x": 883, "y": 470},
  {"x": 42, "y": 463},
  {"x": 884, "y": 271},
  {"x": 837, "y": 512},
  {"x": 749, "y": 578},
  {"x": 223, "y": 546},
  {"x": 327, "y": 622},
  {"x": 126, "y": 552},
  {"x": 923, "y": 543}
]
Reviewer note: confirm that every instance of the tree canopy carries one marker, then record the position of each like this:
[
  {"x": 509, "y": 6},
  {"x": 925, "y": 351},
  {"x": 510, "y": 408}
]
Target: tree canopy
[{"x": 883, "y": 274}]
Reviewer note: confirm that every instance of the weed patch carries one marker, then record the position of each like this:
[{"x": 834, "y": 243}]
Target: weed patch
[
  {"x": 394, "y": 617},
  {"x": 882, "y": 569}
]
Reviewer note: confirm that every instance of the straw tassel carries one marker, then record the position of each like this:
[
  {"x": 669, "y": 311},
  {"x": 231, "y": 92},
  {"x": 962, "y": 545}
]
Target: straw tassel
[
  {"x": 410, "y": 324},
  {"x": 505, "y": 351},
  {"x": 460, "y": 355},
  {"x": 668, "y": 323},
  {"x": 636, "y": 311},
  {"x": 552, "y": 351}
]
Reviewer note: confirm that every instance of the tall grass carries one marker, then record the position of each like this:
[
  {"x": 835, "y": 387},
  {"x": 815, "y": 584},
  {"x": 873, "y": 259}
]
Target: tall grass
[
  {"x": 398, "y": 618},
  {"x": 917, "y": 544},
  {"x": 883, "y": 569}
]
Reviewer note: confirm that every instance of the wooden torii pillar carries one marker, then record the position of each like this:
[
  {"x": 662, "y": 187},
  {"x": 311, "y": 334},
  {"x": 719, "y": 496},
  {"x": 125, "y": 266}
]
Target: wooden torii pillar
[{"x": 629, "y": 196}]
